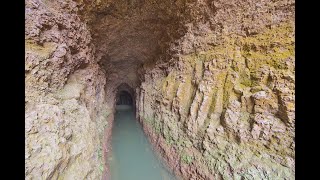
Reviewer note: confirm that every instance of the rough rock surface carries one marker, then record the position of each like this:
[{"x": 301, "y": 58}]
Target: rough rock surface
[
  {"x": 213, "y": 82},
  {"x": 222, "y": 105},
  {"x": 65, "y": 105}
]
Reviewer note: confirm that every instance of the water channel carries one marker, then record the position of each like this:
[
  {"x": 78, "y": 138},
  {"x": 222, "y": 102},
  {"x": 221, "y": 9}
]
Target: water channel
[{"x": 132, "y": 157}]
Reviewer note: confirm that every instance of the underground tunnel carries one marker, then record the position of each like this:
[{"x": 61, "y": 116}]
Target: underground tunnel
[
  {"x": 184, "y": 89},
  {"x": 125, "y": 95},
  {"x": 131, "y": 151},
  {"x": 124, "y": 98}
]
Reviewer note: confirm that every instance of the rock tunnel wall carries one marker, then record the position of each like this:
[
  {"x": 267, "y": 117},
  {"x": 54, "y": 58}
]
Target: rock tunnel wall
[
  {"x": 213, "y": 83},
  {"x": 222, "y": 105},
  {"x": 65, "y": 100}
]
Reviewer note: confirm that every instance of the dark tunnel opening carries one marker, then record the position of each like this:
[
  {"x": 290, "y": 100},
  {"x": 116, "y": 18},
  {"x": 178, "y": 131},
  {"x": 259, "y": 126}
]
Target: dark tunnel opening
[
  {"x": 124, "y": 98},
  {"x": 125, "y": 95}
]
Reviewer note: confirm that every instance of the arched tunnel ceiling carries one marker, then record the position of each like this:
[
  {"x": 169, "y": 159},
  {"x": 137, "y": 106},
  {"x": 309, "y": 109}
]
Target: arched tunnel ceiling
[{"x": 128, "y": 33}]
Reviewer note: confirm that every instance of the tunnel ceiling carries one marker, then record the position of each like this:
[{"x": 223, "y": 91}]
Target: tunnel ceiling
[{"x": 129, "y": 33}]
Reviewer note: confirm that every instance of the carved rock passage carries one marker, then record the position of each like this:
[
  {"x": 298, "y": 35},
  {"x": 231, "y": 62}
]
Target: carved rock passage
[{"x": 213, "y": 83}]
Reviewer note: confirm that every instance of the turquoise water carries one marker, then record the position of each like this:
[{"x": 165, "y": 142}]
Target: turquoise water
[{"x": 132, "y": 157}]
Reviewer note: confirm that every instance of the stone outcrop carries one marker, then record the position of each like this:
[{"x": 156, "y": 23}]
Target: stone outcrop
[{"x": 213, "y": 82}]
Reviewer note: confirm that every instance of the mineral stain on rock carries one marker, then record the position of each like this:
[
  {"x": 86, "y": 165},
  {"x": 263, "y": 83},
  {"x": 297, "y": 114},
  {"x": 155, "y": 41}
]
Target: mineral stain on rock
[{"x": 212, "y": 84}]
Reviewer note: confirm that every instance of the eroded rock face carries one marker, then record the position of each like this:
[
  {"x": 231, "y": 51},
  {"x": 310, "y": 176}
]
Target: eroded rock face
[
  {"x": 65, "y": 106},
  {"x": 223, "y": 103}
]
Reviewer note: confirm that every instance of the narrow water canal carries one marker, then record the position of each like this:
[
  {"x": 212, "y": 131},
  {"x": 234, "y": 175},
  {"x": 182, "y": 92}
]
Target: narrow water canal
[{"x": 132, "y": 157}]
